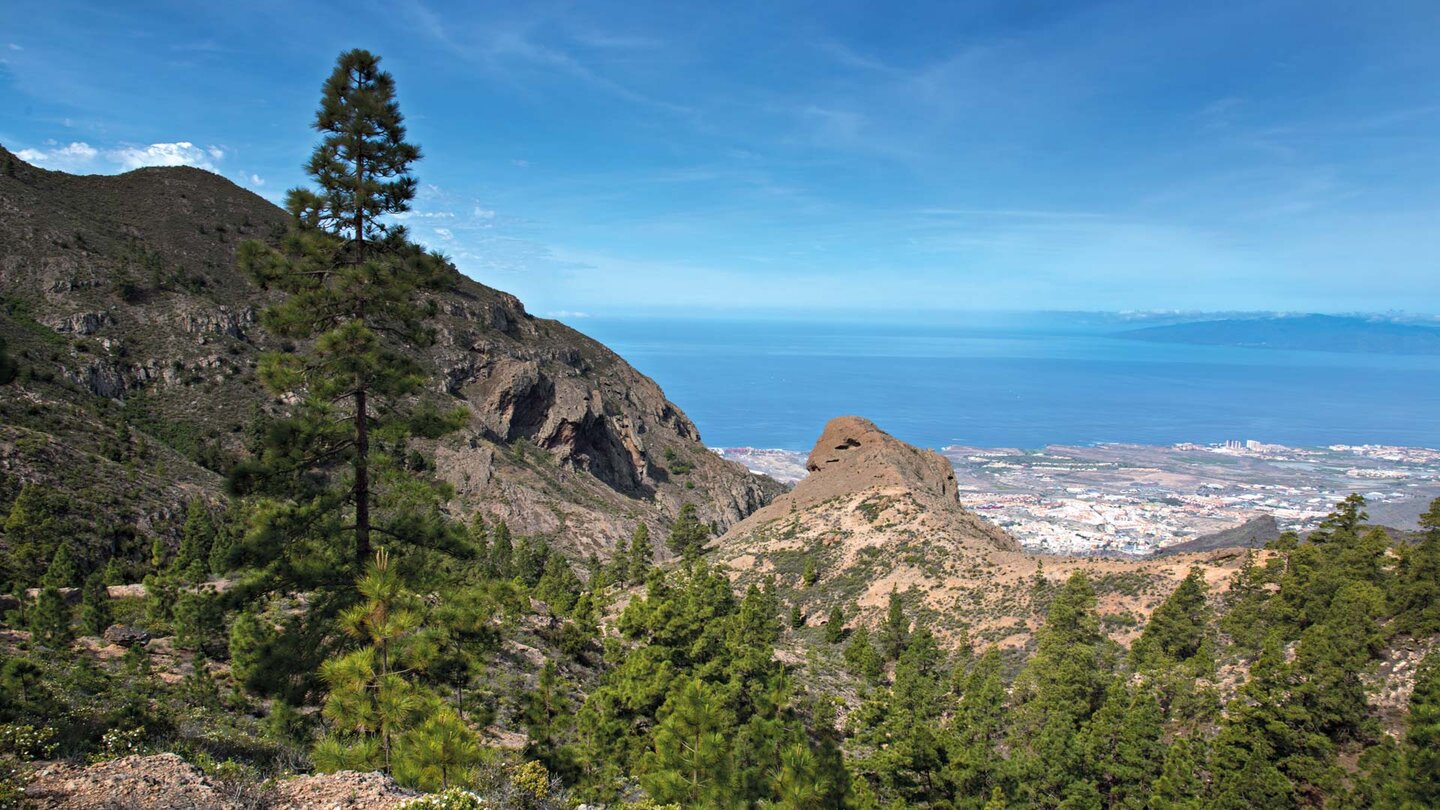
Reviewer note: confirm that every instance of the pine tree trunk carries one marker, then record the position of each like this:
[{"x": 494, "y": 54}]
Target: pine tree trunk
[
  {"x": 362, "y": 482},
  {"x": 362, "y": 424}
]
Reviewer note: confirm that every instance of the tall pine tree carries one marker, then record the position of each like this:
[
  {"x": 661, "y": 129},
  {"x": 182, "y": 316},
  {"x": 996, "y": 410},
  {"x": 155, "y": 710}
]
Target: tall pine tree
[{"x": 353, "y": 281}]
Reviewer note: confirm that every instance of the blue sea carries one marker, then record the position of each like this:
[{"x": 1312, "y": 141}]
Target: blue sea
[{"x": 1017, "y": 380}]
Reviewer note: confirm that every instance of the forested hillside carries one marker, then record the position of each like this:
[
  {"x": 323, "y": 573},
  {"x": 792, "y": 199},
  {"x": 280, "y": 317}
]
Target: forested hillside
[{"x": 275, "y": 565}]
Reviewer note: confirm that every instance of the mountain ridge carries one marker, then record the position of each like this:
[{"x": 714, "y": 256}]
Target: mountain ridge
[{"x": 122, "y": 290}]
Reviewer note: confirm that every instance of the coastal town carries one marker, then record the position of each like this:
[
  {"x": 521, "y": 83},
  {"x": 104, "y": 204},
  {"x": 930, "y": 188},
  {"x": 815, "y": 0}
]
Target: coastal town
[{"x": 1136, "y": 500}]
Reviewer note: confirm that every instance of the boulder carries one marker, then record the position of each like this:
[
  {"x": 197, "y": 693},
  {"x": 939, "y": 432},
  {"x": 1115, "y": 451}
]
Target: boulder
[{"x": 125, "y": 635}]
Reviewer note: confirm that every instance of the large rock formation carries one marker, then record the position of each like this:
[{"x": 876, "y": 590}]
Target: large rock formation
[
  {"x": 122, "y": 296},
  {"x": 887, "y": 483},
  {"x": 876, "y": 515}
]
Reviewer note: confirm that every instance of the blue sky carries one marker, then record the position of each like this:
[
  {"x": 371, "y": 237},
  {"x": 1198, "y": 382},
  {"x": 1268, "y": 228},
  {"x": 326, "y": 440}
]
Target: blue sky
[{"x": 604, "y": 157}]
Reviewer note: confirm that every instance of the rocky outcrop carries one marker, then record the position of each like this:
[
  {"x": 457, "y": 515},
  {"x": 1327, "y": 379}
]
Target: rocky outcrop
[
  {"x": 126, "y": 636},
  {"x": 343, "y": 790},
  {"x": 1391, "y": 682},
  {"x": 134, "y": 783},
  {"x": 853, "y": 460},
  {"x": 167, "y": 782}
]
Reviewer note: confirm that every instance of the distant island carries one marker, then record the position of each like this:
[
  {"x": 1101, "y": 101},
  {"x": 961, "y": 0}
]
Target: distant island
[{"x": 1321, "y": 333}]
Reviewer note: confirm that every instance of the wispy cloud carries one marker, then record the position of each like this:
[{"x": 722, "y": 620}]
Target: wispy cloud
[{"x": 503, "y": 45}]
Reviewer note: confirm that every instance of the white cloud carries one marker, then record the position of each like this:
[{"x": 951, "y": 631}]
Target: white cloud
[
  {"x": 521, "y": 162},
  {"x": 80, "y": 157},
  {"x": 256, "y": 180},
  {"x": 15, "y": 47},
  {"x": 179, "y": 153},
  {"x": 444, "y": 233},
  {"x": 74, "y": 157},
  {"x": 482, "y": 213}
]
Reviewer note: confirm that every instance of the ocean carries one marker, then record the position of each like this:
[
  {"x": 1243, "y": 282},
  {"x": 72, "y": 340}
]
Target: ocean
[{"x": 1021, "y": 380}]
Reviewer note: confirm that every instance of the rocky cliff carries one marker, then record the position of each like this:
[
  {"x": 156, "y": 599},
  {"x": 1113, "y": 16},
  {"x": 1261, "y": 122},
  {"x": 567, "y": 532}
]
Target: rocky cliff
[{"x": 123, "y": 303}]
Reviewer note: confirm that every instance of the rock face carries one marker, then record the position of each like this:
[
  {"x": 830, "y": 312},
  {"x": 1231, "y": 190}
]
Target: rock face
[{"x": 124, "y": 291}]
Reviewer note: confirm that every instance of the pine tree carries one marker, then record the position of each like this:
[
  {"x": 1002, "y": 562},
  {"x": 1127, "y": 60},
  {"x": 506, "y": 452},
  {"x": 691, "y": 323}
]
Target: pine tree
[
  {"x": 642, "y": 554},
  {"x": 1122, "y": 748},
  {"x": 690, "y": 762},
  {"x": 161, "y": 594},
  {"x": 251, "y": 638},
  {"x": 532, "y": 554},
  {"x": 1179, "y": 629},
  {"x": 21, "y": 677},
  {"x": 439, "y": 752},
  {"x": 371, "y": 702},
  {"x": 1417, "y": 598},
  {"x": 902, "y": 726},
  {"x": 61, "y": 572},
  {"x": 199, "y": 686},
  {"x": 502, "y": 551},
  {"x": 1421, "y": 784},
  {"x": 547, "y": 715},
  {"x": 835, "y": 626},
  {"x": 831, "y": 772},
  {"x": 31, "y": 530},
  {"x": 1179, "y": 786},
  {"x": 811, "y": 574},
  {"x": 799, "y": 783},
  {"x": 1061, "y": 687},
  {"x": 95, "y": 613},
  {"x": 618, "y": 569},
  {"x": 221, "y": 559},
  {"x": 192, "y": 561},
  {"x": 688, "y": 535},
  {"x": 353, "y": 281},
  {"x": 974, "y": 768},
  {"x": 797, "y": 618},
  {"x": 479, "y": 536},
  {"x": 895, "y": 633},
  {"x": 199, "y": 620},
  {"x": 861, "y": 656},
  {"x": 558, "y": 586},
  {"x": 50, "y": 618}
]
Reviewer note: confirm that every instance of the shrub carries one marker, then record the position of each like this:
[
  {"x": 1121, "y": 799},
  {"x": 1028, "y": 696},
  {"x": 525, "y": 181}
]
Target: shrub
[
  {"x": 26, "y": 741},
  {"x": 452, "y": 799}
]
